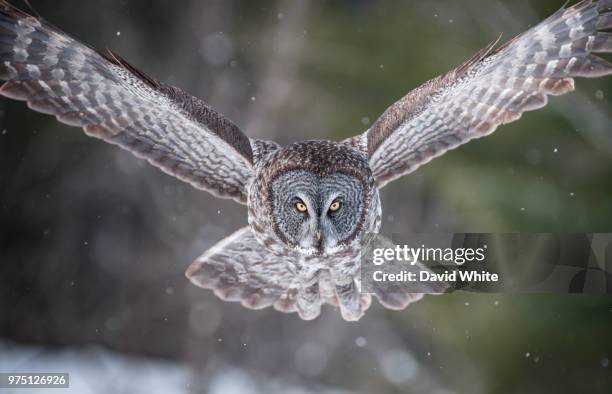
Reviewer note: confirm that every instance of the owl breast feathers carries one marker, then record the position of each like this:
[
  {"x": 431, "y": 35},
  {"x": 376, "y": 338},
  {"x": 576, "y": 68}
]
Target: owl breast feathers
[{"x": 312, "y": 204}]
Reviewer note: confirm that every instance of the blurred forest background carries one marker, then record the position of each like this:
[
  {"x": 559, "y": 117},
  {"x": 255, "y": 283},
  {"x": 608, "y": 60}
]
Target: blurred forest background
[{"x": 94, "y": 242}]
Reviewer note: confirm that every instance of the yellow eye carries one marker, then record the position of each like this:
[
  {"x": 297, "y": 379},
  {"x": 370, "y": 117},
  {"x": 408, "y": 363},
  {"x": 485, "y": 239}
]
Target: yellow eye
[
  {"x": 335, "y": 206},
  {"x": 301, "y": 207}
]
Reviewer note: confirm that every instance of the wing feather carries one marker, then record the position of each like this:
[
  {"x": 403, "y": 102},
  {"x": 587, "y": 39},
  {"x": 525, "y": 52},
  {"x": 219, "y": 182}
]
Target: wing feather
[
  {"x": 112, "y": 100},
  {"x": 239, "y": 269},
  {"x": 492, "y": 88}
]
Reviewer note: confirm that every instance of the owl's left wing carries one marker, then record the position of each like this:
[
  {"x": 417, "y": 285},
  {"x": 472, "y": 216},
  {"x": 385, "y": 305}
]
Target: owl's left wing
[
  {"x": 114, "y": 101},
  {"x": 494, "y": 87}
]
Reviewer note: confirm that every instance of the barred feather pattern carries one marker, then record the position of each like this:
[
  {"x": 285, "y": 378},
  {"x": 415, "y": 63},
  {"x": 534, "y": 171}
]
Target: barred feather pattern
[
  {"x": 113, "y": 101},
  {"x": 240, "y": 269},
  {"x": 492, "y": 88}
]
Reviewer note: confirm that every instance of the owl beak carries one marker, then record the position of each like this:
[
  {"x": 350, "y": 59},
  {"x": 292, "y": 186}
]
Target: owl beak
[{"x": 318, "y": 235}]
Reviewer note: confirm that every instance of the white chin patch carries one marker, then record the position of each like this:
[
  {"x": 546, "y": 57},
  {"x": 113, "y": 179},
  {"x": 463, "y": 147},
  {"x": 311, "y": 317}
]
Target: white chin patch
[
  {"x": 309, "y": 251},
  {"x": 328, "y": 250}
]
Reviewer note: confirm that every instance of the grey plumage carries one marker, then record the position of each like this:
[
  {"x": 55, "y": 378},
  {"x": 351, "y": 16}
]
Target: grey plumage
[
  {"x": 240, "y": 269},
  {"x": 113, "y": 101},
  {"x": 317, "y": 193},
  {"x": 311, "y": 203},
  {"x": 327, "y": 268},
  {"x": 492, "y": 88}
]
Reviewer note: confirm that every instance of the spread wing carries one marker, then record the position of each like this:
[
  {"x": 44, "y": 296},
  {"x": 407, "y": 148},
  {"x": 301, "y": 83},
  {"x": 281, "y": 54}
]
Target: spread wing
[
  {"x": 112, "y": 100},
  {"x": 492, "y": 88},
  {"x": 238, "y": 268}
]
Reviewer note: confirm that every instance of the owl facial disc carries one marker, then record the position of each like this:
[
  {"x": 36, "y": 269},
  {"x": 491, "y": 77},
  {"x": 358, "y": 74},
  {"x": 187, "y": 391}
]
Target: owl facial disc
[{"x": 317, "y": 214}]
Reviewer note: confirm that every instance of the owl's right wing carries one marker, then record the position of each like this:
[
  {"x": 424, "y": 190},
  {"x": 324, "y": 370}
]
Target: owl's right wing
[
  {"x": 494, "y": 87},
  {"x": 239, "y": 269},
  {"x": 112, "y": 100}
]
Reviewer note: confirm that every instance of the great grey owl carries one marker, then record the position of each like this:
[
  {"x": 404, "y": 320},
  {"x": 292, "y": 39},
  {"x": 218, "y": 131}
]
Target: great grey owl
[{"x": 309, "y": 203}]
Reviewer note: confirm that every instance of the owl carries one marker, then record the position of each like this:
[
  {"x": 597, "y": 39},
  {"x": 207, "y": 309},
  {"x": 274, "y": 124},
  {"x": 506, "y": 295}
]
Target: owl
[{"x": 311, "y": 203}]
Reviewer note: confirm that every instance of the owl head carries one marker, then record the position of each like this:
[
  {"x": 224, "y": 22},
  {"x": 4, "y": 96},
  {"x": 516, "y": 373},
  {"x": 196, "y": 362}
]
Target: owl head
[{"x": 318, "y": 198}]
